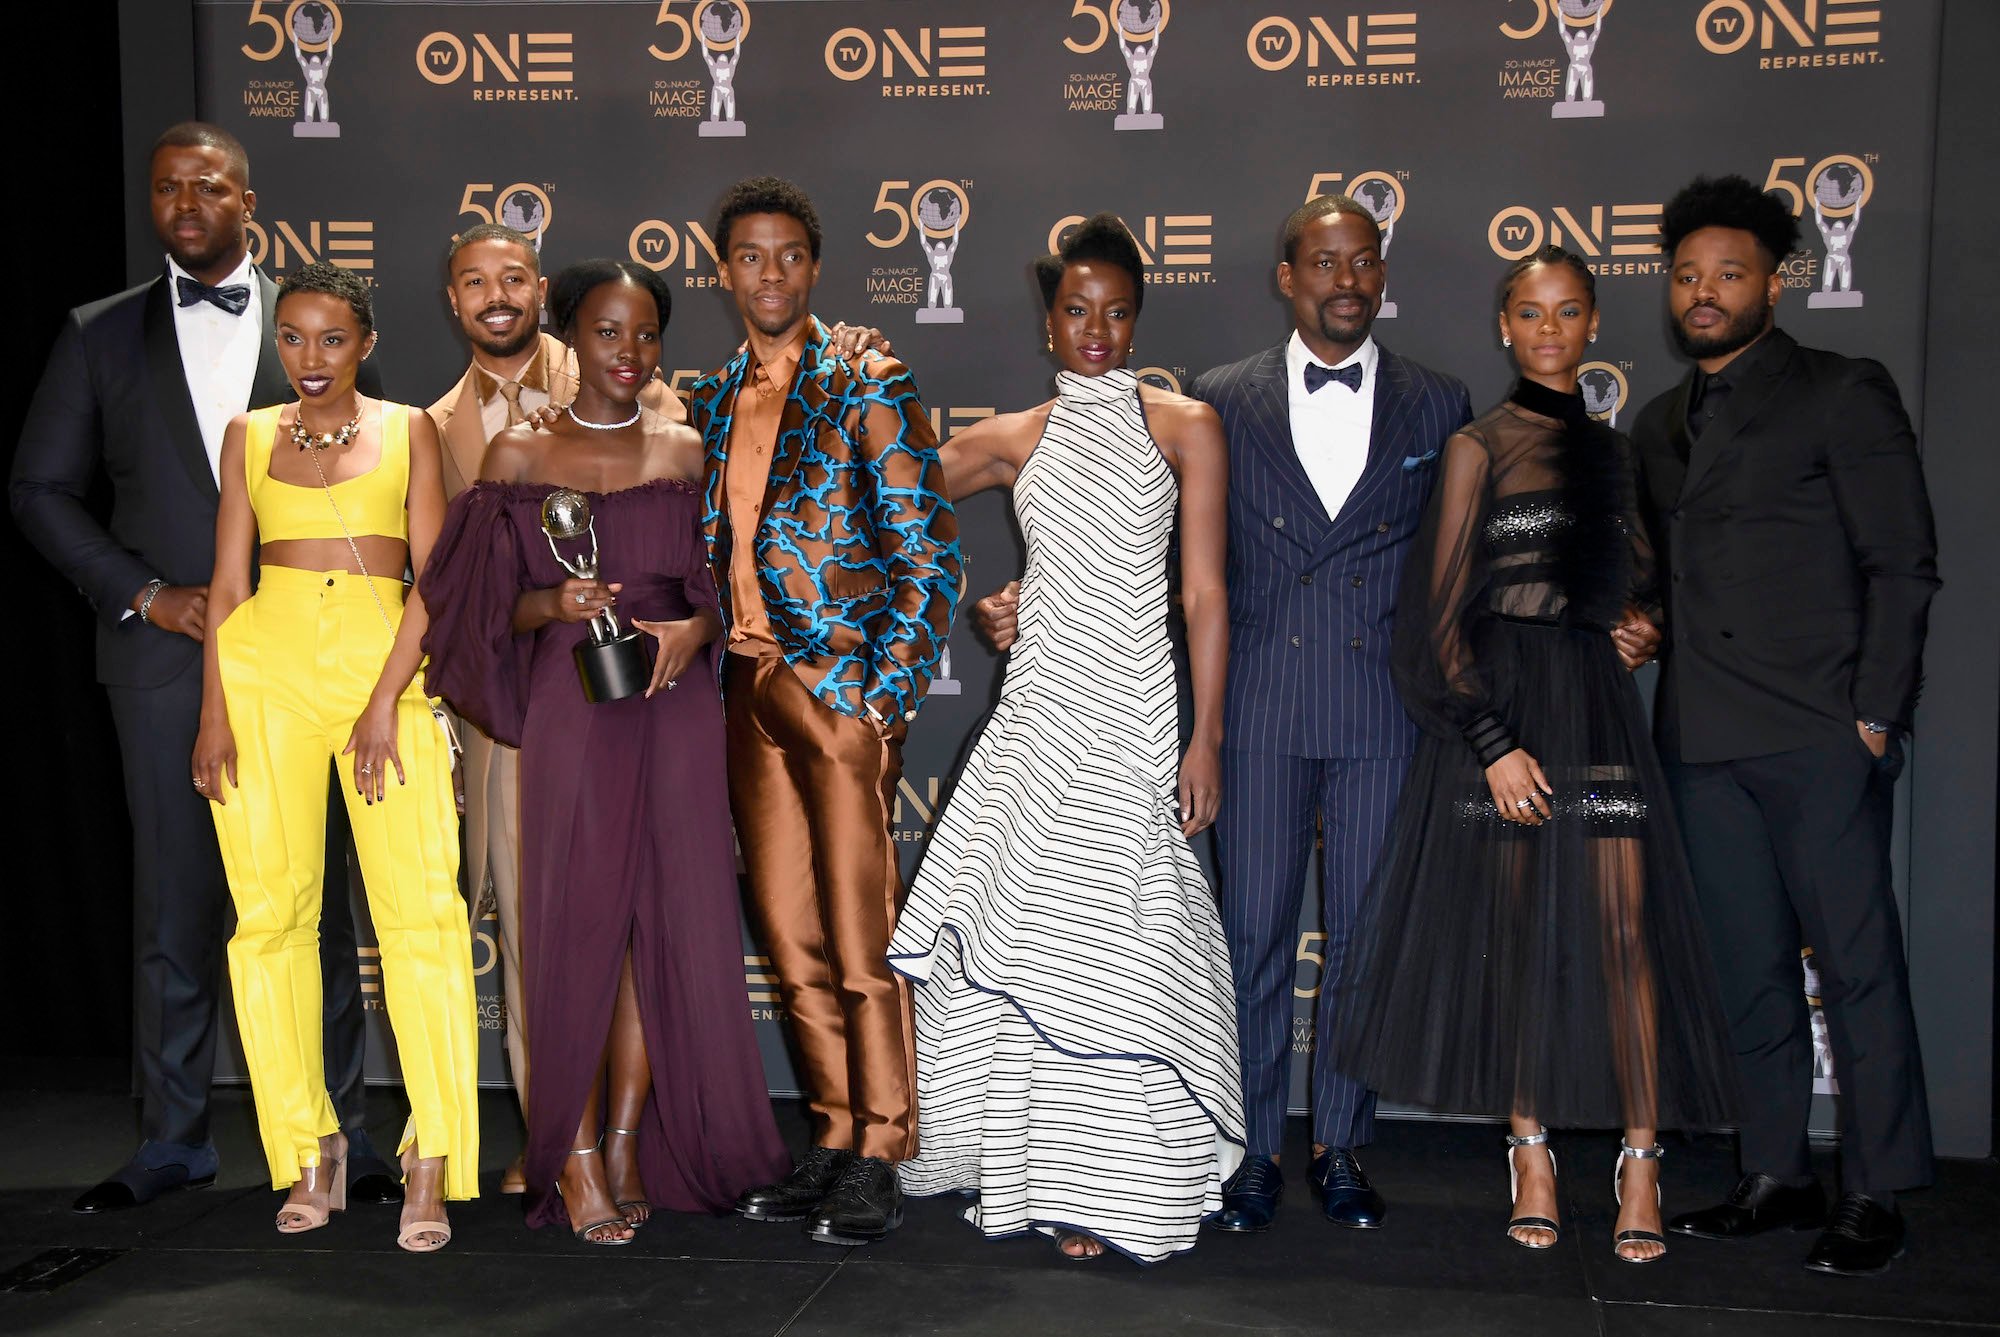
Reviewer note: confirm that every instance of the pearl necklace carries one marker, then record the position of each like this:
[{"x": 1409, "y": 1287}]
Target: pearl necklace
[{"x": 603, "y": 426}]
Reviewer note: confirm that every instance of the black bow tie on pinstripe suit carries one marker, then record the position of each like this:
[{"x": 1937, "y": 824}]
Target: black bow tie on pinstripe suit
[{"x": 1316, "y": 376}]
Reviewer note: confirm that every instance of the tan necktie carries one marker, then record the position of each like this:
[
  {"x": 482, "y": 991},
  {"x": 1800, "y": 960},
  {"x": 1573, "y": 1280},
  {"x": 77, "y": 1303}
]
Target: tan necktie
[{"x": 511, "y": 392}]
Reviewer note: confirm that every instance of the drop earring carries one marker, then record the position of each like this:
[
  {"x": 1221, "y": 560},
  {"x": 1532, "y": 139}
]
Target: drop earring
[{"x": 1049, "y": 344}]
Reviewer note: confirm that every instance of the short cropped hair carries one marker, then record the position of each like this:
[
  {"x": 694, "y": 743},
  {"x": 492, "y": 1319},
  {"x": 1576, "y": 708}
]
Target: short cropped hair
[
  {"x": 578, "y": 281},
  {"x": 349, "y": 287},
  {"x": 1099, "y": 238},
  {"x": 491, "y": 232},
  {"x": 1316, "y": 208},
  {"x": 1547, "y": 255},
  {"x": 1732, "y": 202},
  {"x": 202, "y": 135},
  {"x": 766, "y": 195}
]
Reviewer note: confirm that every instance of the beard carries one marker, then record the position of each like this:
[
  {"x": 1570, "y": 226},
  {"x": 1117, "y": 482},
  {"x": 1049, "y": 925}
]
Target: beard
[
  {"x": 1344, "y": 329},
  {"x": 195, "y": 254},
  {"x": 487, "y": 342},
  {"x": 1740, "y": 331}
]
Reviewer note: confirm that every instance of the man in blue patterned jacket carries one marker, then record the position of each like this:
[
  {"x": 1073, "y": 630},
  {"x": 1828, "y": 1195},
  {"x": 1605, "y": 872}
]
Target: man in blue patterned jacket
[{"x": 836, "y": 554}]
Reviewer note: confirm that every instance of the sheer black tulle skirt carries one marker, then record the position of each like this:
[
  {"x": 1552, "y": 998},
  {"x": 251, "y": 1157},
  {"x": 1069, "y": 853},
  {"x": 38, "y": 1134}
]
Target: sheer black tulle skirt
[{"x": 1560, "y": 970}]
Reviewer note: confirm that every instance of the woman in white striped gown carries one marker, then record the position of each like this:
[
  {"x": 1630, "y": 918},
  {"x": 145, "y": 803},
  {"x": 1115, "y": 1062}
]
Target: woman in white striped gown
[{"x": 1076, "y": 1034}]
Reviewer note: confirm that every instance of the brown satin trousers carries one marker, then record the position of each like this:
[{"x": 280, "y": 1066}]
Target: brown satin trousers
[{"x": 811, "y": 791}]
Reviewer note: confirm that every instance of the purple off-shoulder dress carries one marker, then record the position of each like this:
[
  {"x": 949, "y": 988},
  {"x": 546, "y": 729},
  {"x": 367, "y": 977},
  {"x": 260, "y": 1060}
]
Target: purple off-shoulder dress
[{"x": 625, "y": 838}]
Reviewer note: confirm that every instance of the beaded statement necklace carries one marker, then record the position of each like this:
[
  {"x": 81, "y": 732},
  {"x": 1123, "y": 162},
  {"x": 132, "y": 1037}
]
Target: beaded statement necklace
[{"x": 316, "y": 441}]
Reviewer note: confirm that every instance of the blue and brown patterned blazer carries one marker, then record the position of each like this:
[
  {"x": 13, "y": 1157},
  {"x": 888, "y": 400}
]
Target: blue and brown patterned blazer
[{"x": 857, "y": 554}]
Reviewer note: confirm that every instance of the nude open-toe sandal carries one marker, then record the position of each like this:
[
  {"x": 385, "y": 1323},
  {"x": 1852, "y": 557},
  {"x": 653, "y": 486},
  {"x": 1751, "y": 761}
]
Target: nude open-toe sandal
[
  {"x": 336, "y": 1194},
  {"x": 409, "y": 1237}
]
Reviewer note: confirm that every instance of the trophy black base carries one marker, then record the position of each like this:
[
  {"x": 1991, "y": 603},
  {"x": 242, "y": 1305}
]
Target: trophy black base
[{"x": 613, "y": 670}]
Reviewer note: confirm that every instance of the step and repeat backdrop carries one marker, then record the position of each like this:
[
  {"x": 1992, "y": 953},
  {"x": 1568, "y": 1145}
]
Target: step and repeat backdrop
[{"x": 947, "y": 143}]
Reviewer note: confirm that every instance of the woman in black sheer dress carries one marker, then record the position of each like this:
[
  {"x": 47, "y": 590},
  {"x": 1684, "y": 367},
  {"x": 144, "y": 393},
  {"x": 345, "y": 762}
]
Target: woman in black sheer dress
[{"x": 1536, "y": 948}]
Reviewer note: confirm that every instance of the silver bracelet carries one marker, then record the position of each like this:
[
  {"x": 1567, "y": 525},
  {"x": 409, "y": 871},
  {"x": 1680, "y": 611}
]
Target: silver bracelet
[{"x": 153, "y": 588}]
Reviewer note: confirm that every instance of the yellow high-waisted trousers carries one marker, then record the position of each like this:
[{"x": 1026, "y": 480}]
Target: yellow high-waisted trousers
[{"x": 299, "y": 659}]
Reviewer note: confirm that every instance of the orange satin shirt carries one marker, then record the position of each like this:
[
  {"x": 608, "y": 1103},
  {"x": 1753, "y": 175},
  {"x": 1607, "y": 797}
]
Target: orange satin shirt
[{"x": 745, "y": 477}]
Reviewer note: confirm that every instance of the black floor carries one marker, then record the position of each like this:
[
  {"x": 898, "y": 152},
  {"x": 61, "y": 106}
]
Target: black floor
[{"x": 209, "y": 1262}]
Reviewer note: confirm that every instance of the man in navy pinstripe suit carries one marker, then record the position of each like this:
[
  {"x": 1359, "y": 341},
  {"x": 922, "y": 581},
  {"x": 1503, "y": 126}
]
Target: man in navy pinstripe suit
[{"x": 1332, "y": 446}]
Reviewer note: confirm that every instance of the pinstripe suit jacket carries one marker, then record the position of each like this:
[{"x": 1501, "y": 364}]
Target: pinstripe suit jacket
[{"x": 1312, "y": 596}]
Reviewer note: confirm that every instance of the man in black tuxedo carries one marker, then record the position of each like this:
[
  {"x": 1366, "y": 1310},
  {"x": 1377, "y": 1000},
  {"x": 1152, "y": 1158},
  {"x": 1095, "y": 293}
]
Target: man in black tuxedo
[
  {"x": 141, "y": 385},
  {"x": 1788, "y": 501}
]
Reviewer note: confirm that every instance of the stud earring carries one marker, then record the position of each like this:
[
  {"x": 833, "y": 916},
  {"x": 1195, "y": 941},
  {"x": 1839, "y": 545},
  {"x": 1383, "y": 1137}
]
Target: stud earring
[
  {"x": 1505, "y": 342},
  {"x": 1593, "y": 338}
]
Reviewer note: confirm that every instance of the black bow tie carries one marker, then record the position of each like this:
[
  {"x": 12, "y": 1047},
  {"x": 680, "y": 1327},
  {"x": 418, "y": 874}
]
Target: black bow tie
[
  {"x": 1316, "y": 376},
  {"x": 235, "y": 299}
]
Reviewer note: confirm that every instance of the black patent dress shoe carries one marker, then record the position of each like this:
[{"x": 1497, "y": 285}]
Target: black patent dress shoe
[
  {"x": 799, "y": 1193},
  {"x": 1345, "y": 1194},
  {"x": 864, "y": 1206},
  {"x": 370, "y": 1181},
  {"x": 1758, "y": 1204},
  {"x": 1860, "y": 1240},
  {"x": 1250, "y": 1198},
  {"x": 146, "y": 1176}
]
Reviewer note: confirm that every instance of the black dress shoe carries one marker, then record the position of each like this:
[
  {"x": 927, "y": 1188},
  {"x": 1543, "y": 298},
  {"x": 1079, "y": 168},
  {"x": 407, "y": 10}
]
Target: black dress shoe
[
  {"x": 1344, "y": 1191},
  {"x": 1860, "y": 1239},
  {"x": 864, "y": 1206},
  {"x": 799, "y": 1193},
  {"x": 370, "y": 1181},
  {"x": 1250, "y": 1198},
  {"x": 1757, "y": 1205},
  {"x": 144, "y": 1178}
]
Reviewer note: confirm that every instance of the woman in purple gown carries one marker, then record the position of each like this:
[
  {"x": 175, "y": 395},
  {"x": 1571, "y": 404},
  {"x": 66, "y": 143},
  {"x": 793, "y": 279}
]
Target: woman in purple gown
[{"x": 628, "y": 888}]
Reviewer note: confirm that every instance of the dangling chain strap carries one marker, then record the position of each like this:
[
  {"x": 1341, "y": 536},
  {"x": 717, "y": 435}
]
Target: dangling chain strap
[{"x": 444, "y": 721}]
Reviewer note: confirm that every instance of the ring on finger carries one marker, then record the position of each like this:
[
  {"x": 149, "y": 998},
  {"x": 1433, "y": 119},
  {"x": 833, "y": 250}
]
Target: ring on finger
[
  {"x": 579, "y": 597},
  {"x": 200, "y": 783}
]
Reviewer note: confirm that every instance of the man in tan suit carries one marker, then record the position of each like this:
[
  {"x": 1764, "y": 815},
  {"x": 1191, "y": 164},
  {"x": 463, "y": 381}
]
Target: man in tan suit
[{"x": 496, "y": 290}]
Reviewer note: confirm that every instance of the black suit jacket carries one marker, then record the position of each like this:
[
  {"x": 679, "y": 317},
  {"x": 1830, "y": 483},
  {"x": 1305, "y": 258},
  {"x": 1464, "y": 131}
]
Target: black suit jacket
[
  {"x": 114, "y": 397},
  {"x": 1798, "y": 552}
]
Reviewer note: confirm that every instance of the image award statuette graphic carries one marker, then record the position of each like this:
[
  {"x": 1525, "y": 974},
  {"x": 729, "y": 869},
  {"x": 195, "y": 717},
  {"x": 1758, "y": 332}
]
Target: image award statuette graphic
[
  {"x": 1604, "y": 390},
  {"x": 942, "y": 683},
  {"x": 1139, "y": 24},
  {"x": 612, "y": 663},
  {"x": 1839, "y": 186},
  {"x": 1581, "y": 24},
  {"x": 314, "y": 26},
  {"x": 1382, "y": 196},
  {"x": 721, "y": 25},
  {"x": 942, "y": 211}
]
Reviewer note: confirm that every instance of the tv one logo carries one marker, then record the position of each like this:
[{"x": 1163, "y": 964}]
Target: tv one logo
[
  {"x": 659, "y": 246},
  {"x": 1278, "y": 43},
  {"x": 931, "y": 53},
  {"x": 349, "y": 243},
  {"x": 510, "y": 58},
  {"x": 1517, "y": 231},
  {"x": 1164, "y": 240},
  {"x": 1727, "y": 26}
]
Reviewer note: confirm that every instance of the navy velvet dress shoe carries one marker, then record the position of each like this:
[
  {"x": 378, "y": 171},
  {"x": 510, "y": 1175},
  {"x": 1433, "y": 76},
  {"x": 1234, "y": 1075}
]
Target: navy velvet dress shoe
[
  {"x": 159, "y": 1167},
  {"x": 1862, "y": 1237},
  {"x": 369, "y": 1178},
  {"x": 1757, "y": 1205},
  {"x": 1250, "y": 1198},
  {"x": 1344, "y": 1191}
]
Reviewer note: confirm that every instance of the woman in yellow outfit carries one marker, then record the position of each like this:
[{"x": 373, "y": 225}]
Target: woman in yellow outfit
[{"x": 343, "y": 492}]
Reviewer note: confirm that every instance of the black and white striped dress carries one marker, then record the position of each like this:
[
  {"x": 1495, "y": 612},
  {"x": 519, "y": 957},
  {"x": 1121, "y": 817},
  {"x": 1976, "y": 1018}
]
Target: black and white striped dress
[{"x": 1076, "y": 1029}]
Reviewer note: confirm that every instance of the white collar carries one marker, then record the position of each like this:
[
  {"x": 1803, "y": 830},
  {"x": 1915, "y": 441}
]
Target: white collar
[
  {"x": 244, "y": 274},
  {"x": 1297, "y": 355}
]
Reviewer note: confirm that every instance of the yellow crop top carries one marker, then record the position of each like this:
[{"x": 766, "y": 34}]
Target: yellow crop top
[{"x": 376, "y": 502}]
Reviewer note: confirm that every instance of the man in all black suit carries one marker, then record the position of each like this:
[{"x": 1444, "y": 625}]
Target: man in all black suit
[
  {"x": 141, "y": 385},
  {"x": 1789, "y": 506},
  {"x": 1332, "y": 447}
]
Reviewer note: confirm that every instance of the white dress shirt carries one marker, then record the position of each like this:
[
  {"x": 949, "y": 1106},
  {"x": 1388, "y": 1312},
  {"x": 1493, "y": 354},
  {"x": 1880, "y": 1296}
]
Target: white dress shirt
[
  {"x": 1330, "y": 427},
  {"x": 218, "y": 355}
]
